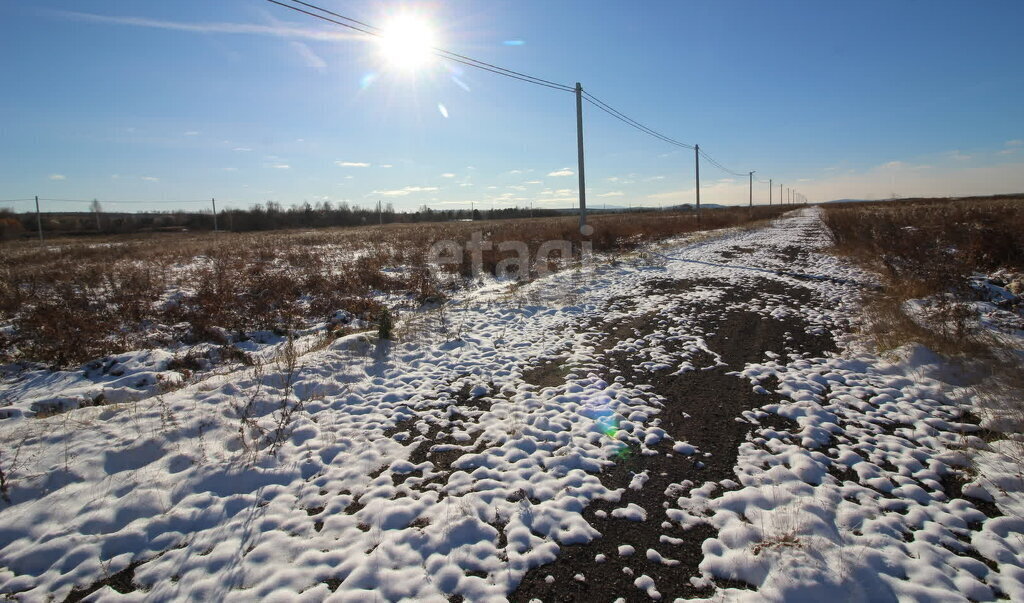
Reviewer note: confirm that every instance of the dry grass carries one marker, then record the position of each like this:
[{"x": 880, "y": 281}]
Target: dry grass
[
  {"x": 72, "y": 300},
  {"x": 929, "y": 248}
]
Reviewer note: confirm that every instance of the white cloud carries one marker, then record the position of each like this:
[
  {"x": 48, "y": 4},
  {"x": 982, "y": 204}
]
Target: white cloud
[
  {"x": 280, "y": 31},
  {"x": 533, "y": 182},
  {"x": 351, "y": 164},
  {"x": 554, "y": 200},
  {"x": 149, "y": 178},
  {"x": 562, "y": 172},
  {"x": 905, "y": 180},
  {"x": 957, "y": 155},
  {"x": 385, "y": 165},
  {"x": 401, "y": 192},
  {"x": 1016, "y": 142},
  {"x": 448, "y": 175},
  {"x": 612, "y": 194},
  {"x": 57, "y": 177},
  {"x": 893, "y": 165},
  {"x": 192, "y": 133},
  {"x": 242, "y": 149},
  {"x": 281, "y": 166},
  {"x": 312, "y": 59},
  {"x": 230, "y": 169},
  {"x": 1009, "y": 151}
]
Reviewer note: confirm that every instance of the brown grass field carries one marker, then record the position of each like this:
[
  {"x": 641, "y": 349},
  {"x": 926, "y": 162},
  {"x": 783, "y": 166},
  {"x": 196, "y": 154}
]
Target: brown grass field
[
  {"x": 930, "y": 248},
  {"x": 72, "y": 300}
]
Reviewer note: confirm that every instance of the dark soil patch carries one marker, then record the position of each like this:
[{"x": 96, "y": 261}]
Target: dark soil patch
[
  {"x": 953, "y": 486},
  {"x": 122, "y": 582},
  {"x": 550, "y": 374},
  {"x": 736, "y": 251}
]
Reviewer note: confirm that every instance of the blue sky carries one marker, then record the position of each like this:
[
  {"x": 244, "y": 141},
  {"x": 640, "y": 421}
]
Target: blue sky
[{"x": 136, "y": 102}]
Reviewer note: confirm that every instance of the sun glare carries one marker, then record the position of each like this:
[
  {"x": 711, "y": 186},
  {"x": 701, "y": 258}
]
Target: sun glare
[{"x": 408, "y": 43}]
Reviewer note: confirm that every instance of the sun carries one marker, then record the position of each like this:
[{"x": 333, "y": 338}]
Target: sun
[{"x": 407, "y": 43}]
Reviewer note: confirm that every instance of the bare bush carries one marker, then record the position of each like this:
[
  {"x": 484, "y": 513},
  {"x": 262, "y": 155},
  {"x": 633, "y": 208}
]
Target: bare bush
[{"x": 266, "y": 426}]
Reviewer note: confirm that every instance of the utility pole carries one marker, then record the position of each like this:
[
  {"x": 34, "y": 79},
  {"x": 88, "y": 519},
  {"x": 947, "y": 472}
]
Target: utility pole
[
  {"x": 696, "y": 163},
  {"x": 780, "y": 194},
  {"x": 579, "y": 152},
  {"x": 769, "y": 191},
  {"x": 39, "y": 220},
  {"x": 750, "y": 202},
  {"x": 214, "y": 202}
]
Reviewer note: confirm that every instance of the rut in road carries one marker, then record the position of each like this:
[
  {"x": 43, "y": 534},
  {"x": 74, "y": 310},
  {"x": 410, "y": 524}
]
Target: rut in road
[{"x": 702, "y": 407}]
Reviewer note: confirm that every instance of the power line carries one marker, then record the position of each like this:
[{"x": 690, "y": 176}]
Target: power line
[
  {"x": 371, "y": 30},
  {"x": 442, "y": 52},
  {"x": 124, "y": 202},
  {"x": 630, "y": 121},
  {"x": 712, "y": 161}
]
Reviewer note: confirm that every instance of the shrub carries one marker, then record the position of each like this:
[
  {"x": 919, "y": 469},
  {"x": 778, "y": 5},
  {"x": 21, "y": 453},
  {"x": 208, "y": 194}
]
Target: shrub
[{"x": 385, "y": 324}]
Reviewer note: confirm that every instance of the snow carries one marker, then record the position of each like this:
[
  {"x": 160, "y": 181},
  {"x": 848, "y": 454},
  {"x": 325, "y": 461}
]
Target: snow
[{"x": 844, "y": 501}]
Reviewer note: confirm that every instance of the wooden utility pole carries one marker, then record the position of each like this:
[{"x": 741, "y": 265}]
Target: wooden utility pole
[
  {"x": 39, "y": 220},
  {"x": 750, "y": 202},
  {"x": 214, "y": 201},
  {"x": 579, "y": 153},
  {"x": 769, "y": 191},
  {"x": 696, "y": 164},
  {"x": 780, "y": 194}
]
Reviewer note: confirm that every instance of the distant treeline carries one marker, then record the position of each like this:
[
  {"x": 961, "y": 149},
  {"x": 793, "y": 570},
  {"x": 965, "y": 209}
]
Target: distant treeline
[{"x": 267, "y": 216}]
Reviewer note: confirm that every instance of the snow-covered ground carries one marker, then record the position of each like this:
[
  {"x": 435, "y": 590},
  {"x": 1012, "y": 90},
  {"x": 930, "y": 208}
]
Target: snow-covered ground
[{"x": 697, "y": 420}]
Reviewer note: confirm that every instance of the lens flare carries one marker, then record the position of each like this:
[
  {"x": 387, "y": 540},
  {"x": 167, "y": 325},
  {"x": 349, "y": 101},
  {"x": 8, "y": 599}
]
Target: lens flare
[{"x": 367, "y": 80}]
